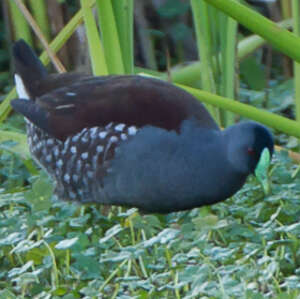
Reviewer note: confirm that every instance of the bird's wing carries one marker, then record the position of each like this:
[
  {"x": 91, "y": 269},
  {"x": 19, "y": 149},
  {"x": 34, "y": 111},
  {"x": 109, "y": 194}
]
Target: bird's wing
[{"x": 98, "y": 101}]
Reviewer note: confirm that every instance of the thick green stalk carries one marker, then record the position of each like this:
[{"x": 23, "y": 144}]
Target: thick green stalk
[
  {"x": 21, "y": 28},
  {"x": 272, "y": 120},
  {"x": 123, "y": 11},
  {"x": 97, "y": 56},
  {"x": 202, "y": 27},
  {"x": 285, "y": 8},
  {"x": 230, "y": 66},
  {"x": 201, "y": 21},
  {"x": 296, "y": 18},
  {"x": 285, "y": 41},
  {"x": 187, "y": 75},
  {"x": 110, "y": 38},
  {"x": 39, "y": 12}
]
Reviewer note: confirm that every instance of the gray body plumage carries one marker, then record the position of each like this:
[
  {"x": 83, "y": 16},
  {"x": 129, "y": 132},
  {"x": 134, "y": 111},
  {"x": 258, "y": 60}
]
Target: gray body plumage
[{"x": 182, "y": 169}]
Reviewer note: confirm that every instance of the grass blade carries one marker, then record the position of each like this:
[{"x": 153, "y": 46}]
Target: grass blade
[
  {"x": 21, "y": 28},
  {"x": 202, "y": 27},
  {"x": 283, "y": 40},
  {"x": 271, "y": 120},
  {"x": 296, "y": 18},
  {"x": 110, "y": 37},
  {"x": 99, "y": 65},
  {"x": 123, "y": 11}
]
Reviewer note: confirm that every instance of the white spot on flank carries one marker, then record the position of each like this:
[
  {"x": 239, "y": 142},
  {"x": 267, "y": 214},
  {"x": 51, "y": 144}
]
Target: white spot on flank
[
  {"x": 109, "y": 126},
  {"x": 75, "y": 138},
  {"x": 93, "y": 131},
  {"x": 67, "y": 178},
  {"x": 103, "y": 134},
  {"x": 90, "y": 174},
  {"x": 56, "y": 151},
  {"x": 119, "y": 127},
  {"x": 64, "y": 106},
  {"x": 84, "y": 155},
  {"x": 113, "y": 139},
  {"x": 71, "y": 94},
  {"x": 84, "y": 139},
  {"x": 50, "y": 141},
  {"x": 99, "y": 149},
  {"x": 132, "y": 130},
  {"x": 21, "y": 90},
  {"x": 39, "y": 145},
  {"x": 59, "y": 163},
  {"x": 123, "y": 136},
  {"x": 73, "y": 150},
  {"x": 48, "y": 158}
]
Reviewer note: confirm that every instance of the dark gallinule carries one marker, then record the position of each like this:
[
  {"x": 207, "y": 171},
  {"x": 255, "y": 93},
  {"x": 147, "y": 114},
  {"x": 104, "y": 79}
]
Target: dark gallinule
[{"x": 131, "y": 140}]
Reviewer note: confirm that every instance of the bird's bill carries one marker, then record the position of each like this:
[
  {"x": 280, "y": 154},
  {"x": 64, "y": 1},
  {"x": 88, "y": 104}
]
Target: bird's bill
[{"x": 261, "y": 170}]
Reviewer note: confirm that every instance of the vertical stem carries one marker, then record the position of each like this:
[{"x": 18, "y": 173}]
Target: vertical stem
[
  {"x": 296, "y": 18},
  {"x": 99, "y": 66},
  {"x": 110, "y": 38},
  {"x": 229, "y": 63},
  {"x": 39, "y": 11},
  {"x": 123, "y": 11},
  {"x": 21, "y": 28},
  {"x": 201, "y": 21}
]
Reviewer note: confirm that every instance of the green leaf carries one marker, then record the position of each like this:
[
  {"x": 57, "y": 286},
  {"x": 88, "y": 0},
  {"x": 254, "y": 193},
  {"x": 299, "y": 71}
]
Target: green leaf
[
  {"x": 261, "y": 171},
  {"x": 66, "y": 244}
]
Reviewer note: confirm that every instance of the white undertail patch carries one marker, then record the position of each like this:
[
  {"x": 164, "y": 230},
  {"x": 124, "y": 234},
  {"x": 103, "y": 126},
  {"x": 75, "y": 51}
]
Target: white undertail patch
[{"x": 21, "y": 90}]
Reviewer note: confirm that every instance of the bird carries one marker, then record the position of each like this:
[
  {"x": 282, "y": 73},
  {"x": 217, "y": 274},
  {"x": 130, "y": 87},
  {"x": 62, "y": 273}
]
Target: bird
[{"x": 131, "y": 140}]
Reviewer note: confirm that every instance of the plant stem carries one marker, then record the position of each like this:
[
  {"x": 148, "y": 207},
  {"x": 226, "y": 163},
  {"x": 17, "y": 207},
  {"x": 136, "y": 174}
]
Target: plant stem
[
  {"x": 98, "y": 61},
  {"x": 296, "y": 18},
  {"x": 272, "y": 120},
  {"x": 110, "y": 38},
  {"x": 202, "y": 26},
  {"x": 229, "y": 56},
  {"x": 283, "y": 40},
  {"x": 189, "y": 74},
  {"x": 123, "y": 11},
  {"x": 21, "y": 28},
  {"x": 39, "y": 11}
]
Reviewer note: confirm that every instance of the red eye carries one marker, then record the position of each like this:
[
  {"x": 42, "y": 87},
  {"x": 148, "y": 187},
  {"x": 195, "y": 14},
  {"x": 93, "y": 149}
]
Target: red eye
[{"x": 250, "y": 151}]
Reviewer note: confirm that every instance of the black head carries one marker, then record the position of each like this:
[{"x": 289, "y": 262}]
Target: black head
[{"x": 245, "y": 143}]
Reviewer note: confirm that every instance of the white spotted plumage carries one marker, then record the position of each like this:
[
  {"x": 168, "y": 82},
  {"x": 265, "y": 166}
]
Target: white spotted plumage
[
  {"x": 132, "y": 130},
  {"x": 73, "y": 149},
  {"x": 103, "y": 134},
  {"x": 85, "y": 155},
  {"x": 119, "y": 127},
  {"x": 75, "y": 162}
]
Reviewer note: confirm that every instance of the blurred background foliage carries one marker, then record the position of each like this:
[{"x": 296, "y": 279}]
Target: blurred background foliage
[{"x": 161, "y": 27}]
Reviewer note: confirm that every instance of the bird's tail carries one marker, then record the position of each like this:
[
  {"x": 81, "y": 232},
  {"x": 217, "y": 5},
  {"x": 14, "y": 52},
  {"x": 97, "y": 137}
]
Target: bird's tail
[{"x": 28, "y": 68}]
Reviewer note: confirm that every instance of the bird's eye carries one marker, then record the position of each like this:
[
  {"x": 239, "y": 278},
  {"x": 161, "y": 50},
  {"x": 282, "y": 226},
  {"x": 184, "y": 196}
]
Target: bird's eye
[{"x": 250, "y": 151}]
